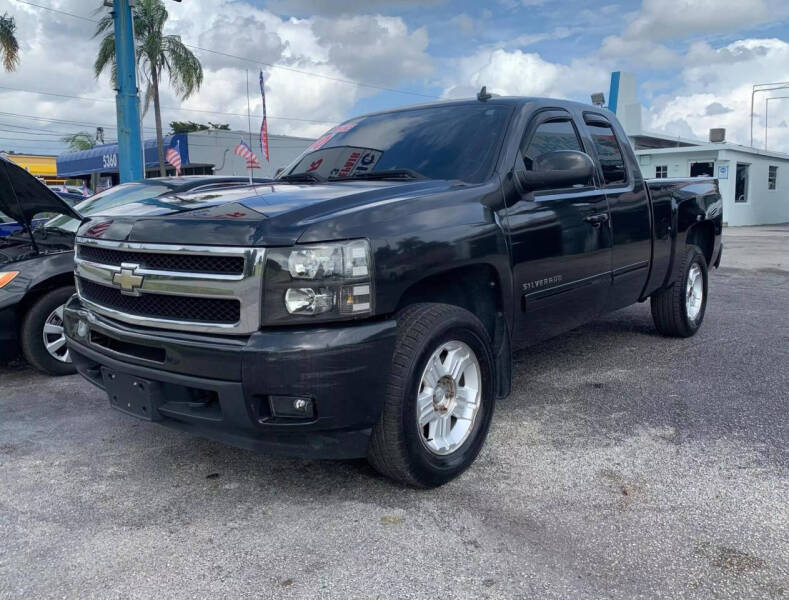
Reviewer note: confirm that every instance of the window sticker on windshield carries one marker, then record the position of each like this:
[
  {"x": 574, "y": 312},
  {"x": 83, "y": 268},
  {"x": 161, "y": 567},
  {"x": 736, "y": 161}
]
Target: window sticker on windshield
[
  {"x": 358, "y": 161},
  {"x": 324, "y": 139},
  {"x": 321, "y": 141},
  {"x": 344, "y": 127}
]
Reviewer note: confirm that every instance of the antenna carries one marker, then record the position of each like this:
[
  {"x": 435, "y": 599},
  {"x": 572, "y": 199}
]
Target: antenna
[{"x": 483, "y": 95}]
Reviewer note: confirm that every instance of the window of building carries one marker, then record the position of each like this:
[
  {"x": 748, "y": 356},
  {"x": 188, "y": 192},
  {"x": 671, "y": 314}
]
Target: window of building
[
  {"x": 702, "y": 169},
  {"x": 741, "y": 183},
  {"x": 549, "y": 137},
  {"x": 608, "y": 150},
  {"x": 661, "y": 171},
  {"x": 772, "y": 178}
]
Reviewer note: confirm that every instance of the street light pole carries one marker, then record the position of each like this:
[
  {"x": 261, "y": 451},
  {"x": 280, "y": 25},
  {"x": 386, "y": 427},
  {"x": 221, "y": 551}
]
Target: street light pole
[
  {"x": 763, "y": 87},
  {"x": 766, "y": 111},
  {"x": 127, "y": 100}
]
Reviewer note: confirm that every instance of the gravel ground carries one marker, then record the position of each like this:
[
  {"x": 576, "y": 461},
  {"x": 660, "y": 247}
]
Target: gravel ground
[{"x": 624, "y": 465}]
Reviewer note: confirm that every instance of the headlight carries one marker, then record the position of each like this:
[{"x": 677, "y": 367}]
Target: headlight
[
  {"x": 319, "y": 282},
  {"x": 7, "y": 276}
]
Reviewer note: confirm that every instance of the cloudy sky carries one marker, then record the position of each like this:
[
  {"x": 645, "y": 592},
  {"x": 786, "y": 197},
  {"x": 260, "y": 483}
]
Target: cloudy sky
[{"x": 325, "y": 61}]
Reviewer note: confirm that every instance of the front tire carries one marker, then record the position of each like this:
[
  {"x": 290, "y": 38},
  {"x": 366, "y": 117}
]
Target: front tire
[
  {"x": 42, "y": 337},
  {"x": 679, "y": 310},
  {"x": 440, "y": 397}
]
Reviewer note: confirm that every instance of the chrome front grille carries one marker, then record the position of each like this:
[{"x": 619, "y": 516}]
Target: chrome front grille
[
  {"x": 168, "y": 286},
  {"x": 162, "y": 261}
]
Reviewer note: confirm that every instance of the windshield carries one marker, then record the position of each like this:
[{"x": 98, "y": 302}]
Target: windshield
[
  {"x": 119, "y": 195},
  {"x": 459, "y": 142}
]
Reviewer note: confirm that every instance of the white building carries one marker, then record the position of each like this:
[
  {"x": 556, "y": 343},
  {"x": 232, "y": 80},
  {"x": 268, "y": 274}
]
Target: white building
[
  {"x": 214, "y": 148},
  {"x": 754, "y": 183}
]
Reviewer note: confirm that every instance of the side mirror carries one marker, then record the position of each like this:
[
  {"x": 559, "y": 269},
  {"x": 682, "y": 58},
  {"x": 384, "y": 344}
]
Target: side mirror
[
  {"x": 557, "y": 170},
  {"x": 278, "y": 171}
]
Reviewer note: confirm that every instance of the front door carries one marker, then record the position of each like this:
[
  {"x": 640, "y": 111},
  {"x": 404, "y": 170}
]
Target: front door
[{"x": 560, "y": 240}]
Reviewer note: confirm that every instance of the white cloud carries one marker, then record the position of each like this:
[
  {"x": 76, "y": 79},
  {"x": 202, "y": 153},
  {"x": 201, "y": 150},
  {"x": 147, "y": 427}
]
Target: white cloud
[
  {"x": 717, "y": 93},
  {"x": 517, "y": 73},
  {"x": 343, "y": 7},
  {"x": 675, "y": 19},
  {"x": 58, "y": 53}
]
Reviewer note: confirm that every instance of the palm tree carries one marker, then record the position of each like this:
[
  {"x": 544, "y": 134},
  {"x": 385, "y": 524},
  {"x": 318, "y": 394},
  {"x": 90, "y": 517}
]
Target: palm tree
[
  {"x": 82, "y": 140},
  {"x": 9, "y": 47},
  {"x": 155, "y": 53}
]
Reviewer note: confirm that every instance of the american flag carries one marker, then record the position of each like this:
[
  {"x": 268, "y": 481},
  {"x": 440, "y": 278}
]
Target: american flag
[
  {"x": 64, "y": 189},
  {"x": 245, "y": 152},
  {"x": 173, "y": 157},
  {"x": 84, "y": 189},
  {"x": 263, "y": 125}
]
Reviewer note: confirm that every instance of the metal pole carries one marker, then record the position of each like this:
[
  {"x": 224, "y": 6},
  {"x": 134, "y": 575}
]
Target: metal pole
[
  {"x": 127, "y": 101},
  {"x": 249, "y": 122},
  {"x": 766, "y": 108},
  {"x": 753, "y": 94}
]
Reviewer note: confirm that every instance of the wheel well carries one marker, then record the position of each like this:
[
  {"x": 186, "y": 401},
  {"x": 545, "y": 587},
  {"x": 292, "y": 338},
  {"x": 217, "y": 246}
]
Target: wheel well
[
  {"x": 475, "y": 288},
  {"x": 42, "y": 287},
  {"x": 703, "y": 235}
]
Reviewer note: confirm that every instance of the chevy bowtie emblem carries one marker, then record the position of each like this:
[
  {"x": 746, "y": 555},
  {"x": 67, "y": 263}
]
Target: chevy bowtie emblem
[{"x": 128, "y": 280}]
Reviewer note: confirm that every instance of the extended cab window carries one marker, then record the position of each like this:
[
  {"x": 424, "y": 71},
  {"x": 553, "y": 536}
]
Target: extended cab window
[
  {"x": 549, "y": 137},
  {"x": 608, "y": 150}
]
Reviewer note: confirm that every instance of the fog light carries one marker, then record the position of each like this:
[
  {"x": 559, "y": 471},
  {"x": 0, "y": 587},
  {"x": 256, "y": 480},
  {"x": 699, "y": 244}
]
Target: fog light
[
  {"x": 82, "y": 329},
  {"x": 292, "y": 407}
]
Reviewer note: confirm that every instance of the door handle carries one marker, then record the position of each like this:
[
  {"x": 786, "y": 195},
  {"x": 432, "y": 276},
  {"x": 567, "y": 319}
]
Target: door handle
[{"x": 597, "y": 220}]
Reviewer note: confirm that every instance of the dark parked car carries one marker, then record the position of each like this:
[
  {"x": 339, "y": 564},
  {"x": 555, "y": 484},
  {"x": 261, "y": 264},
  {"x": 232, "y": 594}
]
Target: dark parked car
[
  {"x": 367, "y": 302},
  {"x": 37, "y": 262}
]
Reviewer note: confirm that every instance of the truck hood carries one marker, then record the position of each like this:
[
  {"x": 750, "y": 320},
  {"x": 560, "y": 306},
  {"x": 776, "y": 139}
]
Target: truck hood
[
  {"x": 265, "y": 214},
  {"x": 22, "y": 196}
]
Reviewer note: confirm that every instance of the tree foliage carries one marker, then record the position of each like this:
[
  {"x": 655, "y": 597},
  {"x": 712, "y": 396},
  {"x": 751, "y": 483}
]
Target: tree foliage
[
  {"x": 156, "y": 53},
  {"x": 82, "y": 140},
  {"x": 191, "y": 126},
  {"x": 9, "y": 46}
]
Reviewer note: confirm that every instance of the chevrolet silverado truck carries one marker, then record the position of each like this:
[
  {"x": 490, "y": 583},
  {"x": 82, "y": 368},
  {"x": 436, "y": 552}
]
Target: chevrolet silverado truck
[{"x": 367, "y": 302}]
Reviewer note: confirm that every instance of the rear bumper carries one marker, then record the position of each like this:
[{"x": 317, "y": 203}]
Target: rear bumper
[{"x": 343, "y": 370}]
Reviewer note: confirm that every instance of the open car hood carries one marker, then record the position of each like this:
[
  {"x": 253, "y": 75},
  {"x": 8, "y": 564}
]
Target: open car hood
[{"x": 22, "y": 196}]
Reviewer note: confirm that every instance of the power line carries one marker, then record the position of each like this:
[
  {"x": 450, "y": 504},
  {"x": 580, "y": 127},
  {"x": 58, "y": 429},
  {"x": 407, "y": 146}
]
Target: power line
[
  {"x": 260, "y": 62},
  {"x": 55, "y": 10},
  {"x": 176, "y": 108}
]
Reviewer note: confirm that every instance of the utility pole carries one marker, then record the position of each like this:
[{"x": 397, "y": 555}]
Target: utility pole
[{"x": 127, "y": 100}]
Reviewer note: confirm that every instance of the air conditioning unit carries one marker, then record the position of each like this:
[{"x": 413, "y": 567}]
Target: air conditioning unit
[{"x": 717, "y": 135}]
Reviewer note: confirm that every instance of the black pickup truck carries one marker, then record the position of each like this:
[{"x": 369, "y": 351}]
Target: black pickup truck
[{"x": 368, "y": 301}]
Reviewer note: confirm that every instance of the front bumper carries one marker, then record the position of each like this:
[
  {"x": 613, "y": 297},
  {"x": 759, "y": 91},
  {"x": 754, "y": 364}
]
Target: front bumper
[{"x": 342, "y": 369}]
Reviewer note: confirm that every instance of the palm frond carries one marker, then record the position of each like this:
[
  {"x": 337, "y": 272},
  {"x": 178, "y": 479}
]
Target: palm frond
[
  {"x": 82, "y": 140},
  {"x": 106, "y": 57},
  {"x": 186, "y": 72},
  {"x": 9, "y": 47}
]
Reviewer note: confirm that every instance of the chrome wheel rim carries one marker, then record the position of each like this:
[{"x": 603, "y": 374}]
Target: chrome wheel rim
[
  {"x": 694, "y": 292},
  {"x": 54, "y": 336},
  {"x": 448, "y": 398}
]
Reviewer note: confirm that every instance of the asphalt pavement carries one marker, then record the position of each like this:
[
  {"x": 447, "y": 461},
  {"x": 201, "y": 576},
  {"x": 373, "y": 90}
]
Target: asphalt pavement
[{"x": 623, "y": 465}]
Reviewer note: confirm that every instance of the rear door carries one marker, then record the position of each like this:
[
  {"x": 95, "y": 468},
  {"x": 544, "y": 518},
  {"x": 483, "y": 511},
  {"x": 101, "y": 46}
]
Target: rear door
[
  {"x": 631, "y": 226},
  {"x": 561, "y": 245}
]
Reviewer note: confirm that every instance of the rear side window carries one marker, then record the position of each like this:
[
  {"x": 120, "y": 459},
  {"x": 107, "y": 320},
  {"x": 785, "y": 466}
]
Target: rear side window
[
  {"x": 549, "y": 137},
  {"x": 608, "y": 150}
]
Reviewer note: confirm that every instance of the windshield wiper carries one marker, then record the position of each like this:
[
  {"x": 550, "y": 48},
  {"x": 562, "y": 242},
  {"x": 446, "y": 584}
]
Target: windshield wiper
[
  {"x": 389, "y": 174},
  {"x": 301, "y": 177}
]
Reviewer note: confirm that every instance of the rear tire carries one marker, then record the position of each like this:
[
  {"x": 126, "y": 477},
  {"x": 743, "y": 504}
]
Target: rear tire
[
  {"x": 679, "y": 310},
  {"x": 439, "y": 399},
  {"x": 34, "y": 340}
]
